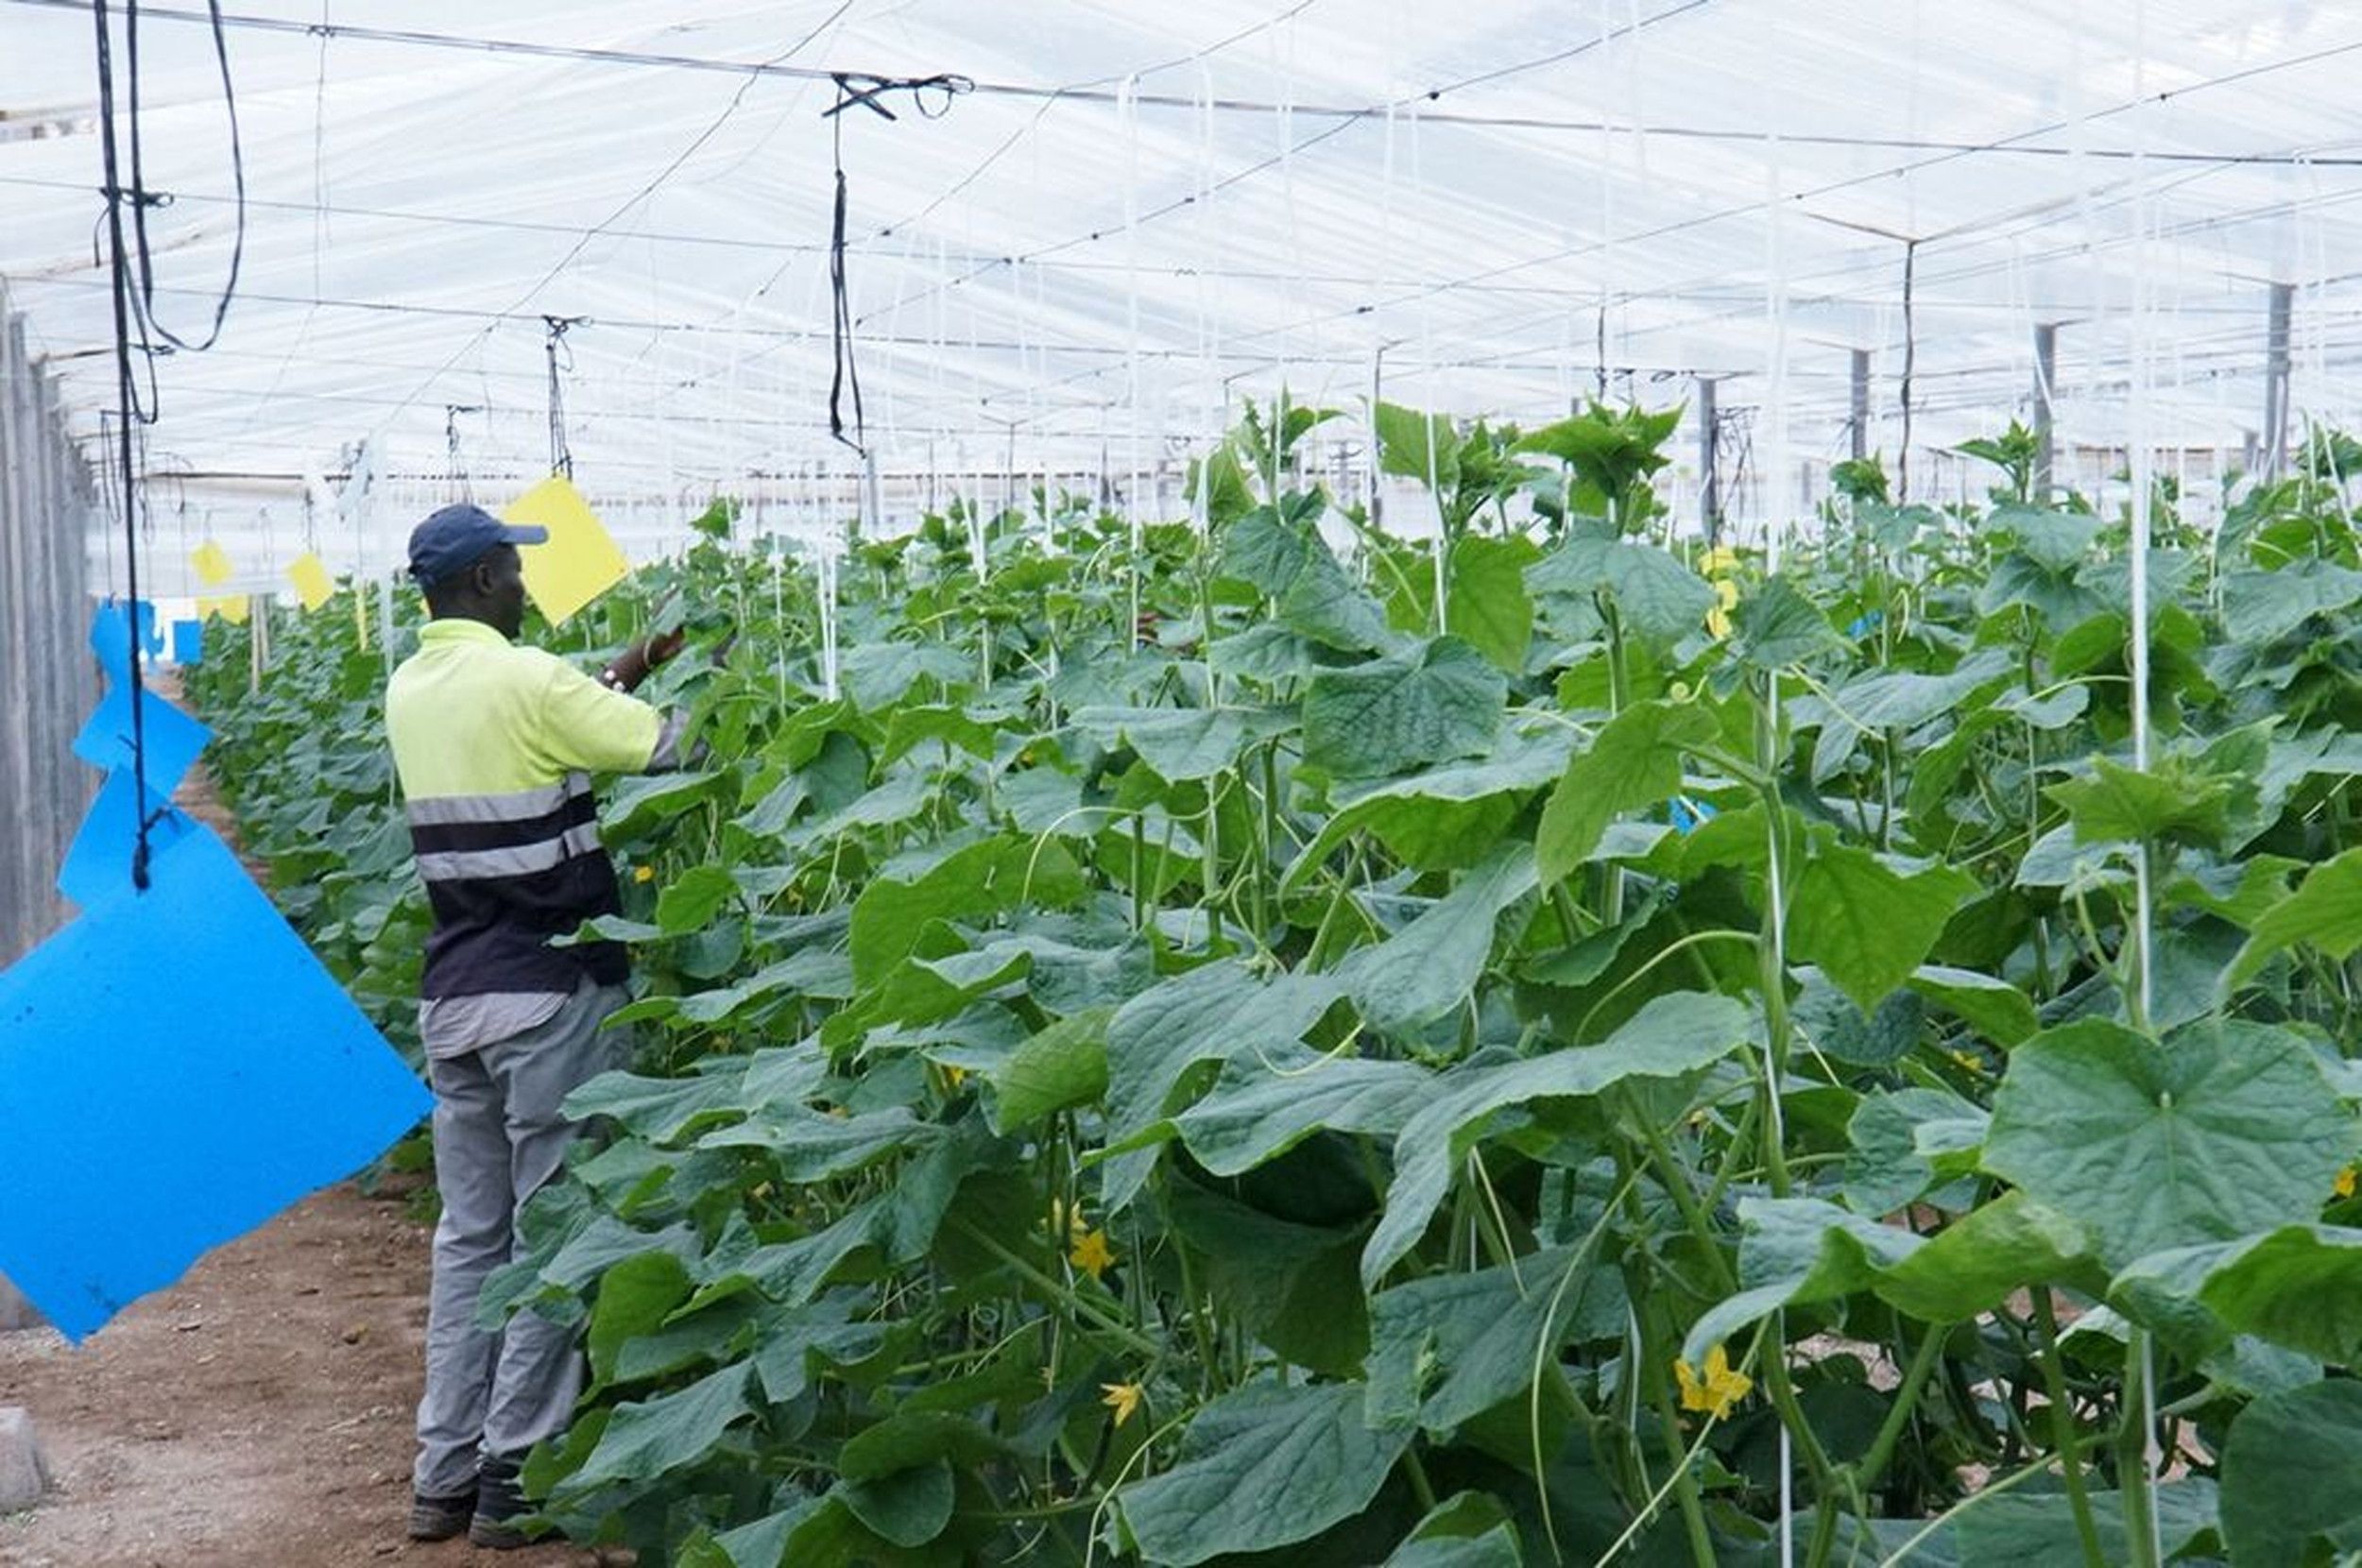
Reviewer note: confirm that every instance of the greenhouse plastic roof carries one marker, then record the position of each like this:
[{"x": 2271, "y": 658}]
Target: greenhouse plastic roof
[{"x": 1140, "y": 214}]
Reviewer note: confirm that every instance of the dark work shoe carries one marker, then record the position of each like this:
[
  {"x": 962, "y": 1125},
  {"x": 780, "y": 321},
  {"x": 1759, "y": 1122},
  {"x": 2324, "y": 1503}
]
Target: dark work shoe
[
  {"x": 500, "y": 1505},
  {"x": 440, "y": 1518}
]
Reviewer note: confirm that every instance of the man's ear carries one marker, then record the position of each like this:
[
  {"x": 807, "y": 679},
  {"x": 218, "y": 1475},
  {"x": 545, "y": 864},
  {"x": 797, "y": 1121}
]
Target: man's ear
[{"x": 480, "y": 576}]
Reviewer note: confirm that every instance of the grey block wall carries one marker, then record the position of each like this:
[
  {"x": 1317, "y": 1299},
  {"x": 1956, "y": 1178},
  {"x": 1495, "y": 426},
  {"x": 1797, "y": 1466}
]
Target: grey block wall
[{"x": 48, "y": 681}]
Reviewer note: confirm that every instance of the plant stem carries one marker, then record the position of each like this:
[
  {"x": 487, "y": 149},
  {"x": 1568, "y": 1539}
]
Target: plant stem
[
  {"x": 2063, "y": 1434},
  {"x": 1660, "y": 1384},
  {"x": 2134, "y": 1482},
  {"x": 1872, "y": 1465},
  {"x": 1059, "y": 1291}
]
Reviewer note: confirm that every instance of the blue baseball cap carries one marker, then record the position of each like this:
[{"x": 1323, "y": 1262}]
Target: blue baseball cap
[{"x": 452, "y": 541}]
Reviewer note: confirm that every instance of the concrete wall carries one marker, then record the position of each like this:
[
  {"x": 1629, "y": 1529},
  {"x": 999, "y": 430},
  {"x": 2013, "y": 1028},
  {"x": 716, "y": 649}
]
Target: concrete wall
[{"x": 48, "y": 681}]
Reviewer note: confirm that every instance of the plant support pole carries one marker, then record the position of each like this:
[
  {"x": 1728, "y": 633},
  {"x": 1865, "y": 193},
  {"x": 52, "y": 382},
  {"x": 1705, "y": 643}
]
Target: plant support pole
[
  {"x": 2276, "y": 380},
  {"x": 2046, "y": 380}
]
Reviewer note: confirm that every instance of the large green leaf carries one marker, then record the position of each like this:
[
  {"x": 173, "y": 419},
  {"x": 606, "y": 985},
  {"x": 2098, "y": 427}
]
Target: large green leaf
[
  {"x": 1992, "y": 1006},
  {"x": 1777, "y": 626},
  {"x": 647, "y": 1438},
  {"x": 1212, "y": 1013},
  {"x": 2171, "y": 804},
  {"x": 1485, "y": 1541},
  {"x": 2024, "y": 1529},
  {"x": 1634, "y": 762},
  {"x": 1279, "y": 550},
  {"x": 1661, "y": 599},
  {"x": 640, "y": 802},
  {"x": 2056, "y": 540},
  {"x": 1291, "y": 1285},
  {"x": 974, "y": 882},
  {"x": 2299, "y": 1285},
  {"x": 1893, "y": 700},
  {"x": 635, "y": 1297},
  {"x": 1448, "y": 1347},
  {"x": 1062, "y": 1065},
  {"x": 1427, "y": 703},
  {"x": 1431, "y": 965},
  {"x": 1424, "y": 447},
  {"x": 1264, "y": 1104},
  {"x": 1974, "y": 1263},
  {"x": 908, "y": 1508},
  {"x": 2293, "y": 1477},
  {"x": 1182, "y": 743},
  {"x": 691, "y": 901},
  {"x": 1868, "y": 927},
  {"x": 1486, "y": 604},
  {"x": 661, "y": 1109},
  {"x": 1447, "y": 815},
  {"x": 2325, "y": 912},
  {"x": 1671, "y": 1035},
  {"x": 877, "y": 676},
  {"x": 2259, "y": 606},
  {"x": 1887, "y": 1168},
  {"x": 807, "y": 1146},
  {"x": 1796, "y": 1250},
  {"x": 2206, "y": 1137},
  {"x": 1260, "y": 1468}
]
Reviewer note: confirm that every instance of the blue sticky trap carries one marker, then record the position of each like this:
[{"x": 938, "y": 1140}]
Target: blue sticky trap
[
  {"x": 188, "y": 642},
  {"x": 174, "y": 738},
  {"x": 111, "y": 635},
  {"x": 99, "y": 864},
  {"x": 175, "y": 1069},
  {"x": 1687, "y": 815}
]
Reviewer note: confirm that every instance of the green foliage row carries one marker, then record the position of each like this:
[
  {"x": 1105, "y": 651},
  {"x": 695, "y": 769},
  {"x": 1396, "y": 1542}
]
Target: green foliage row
[{"x": 1267, "y": 1041}]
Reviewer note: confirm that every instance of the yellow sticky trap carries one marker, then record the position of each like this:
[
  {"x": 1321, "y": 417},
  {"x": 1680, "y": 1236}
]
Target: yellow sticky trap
[
  {"x": 312, "y": 583},
  {"x": 232, "y": 608},
  {"x": 580, "y": 561},
  {"x": 1720, "y": 566},
  {"x": 212, "y": 563}
]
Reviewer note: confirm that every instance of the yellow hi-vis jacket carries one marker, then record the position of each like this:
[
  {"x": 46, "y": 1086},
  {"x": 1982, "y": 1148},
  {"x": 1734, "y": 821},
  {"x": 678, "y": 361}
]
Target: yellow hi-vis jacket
[{"x": 494, "y": 744}]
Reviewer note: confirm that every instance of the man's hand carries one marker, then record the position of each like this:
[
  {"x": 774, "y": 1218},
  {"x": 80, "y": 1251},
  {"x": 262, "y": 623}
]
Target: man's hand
[{"x": 634, "y": 664}]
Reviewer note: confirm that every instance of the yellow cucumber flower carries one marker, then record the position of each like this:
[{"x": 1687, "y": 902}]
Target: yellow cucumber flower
[
  {"x": 1717, "y": 1390},
  {"x": 1093, "y": 1254},
  {"x": 1124, "y": 1399}
]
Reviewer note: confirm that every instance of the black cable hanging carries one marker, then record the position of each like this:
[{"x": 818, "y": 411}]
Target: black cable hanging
[
  {"x": 1911, "y": 364},
  {"x": 127, "y": 417},
  {"x": 561, "y": 459},
  {"x": 132, "y": 282},
  {"x": 855, "y": 89},
  {"x": 142, "y": 198},
  {"x": 456, "y": 471}
]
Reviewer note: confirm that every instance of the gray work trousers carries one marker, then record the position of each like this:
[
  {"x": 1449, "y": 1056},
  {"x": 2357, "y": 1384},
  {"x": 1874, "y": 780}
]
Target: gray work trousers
[{"x": 499, "y": 1136}]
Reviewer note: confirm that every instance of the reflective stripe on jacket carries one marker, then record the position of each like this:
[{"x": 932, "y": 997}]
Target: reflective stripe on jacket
[{"x": 494, "y": 744}]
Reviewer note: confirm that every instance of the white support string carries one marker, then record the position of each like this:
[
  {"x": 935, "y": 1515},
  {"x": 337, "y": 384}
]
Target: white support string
[
  {"x": 2137, "y": 442},
  {"x": 1770, "y": 485},
  {"x": 1127, "y": 113}
]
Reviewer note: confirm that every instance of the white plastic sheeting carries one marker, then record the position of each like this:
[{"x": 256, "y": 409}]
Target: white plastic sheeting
[{"x": 1143, "y": 214}]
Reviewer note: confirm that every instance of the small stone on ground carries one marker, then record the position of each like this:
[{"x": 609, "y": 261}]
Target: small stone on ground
[{"x": 23, "y": 1473}]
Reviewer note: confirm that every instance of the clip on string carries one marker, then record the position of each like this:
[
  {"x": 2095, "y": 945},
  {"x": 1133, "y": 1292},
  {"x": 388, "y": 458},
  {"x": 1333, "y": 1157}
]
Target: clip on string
[
  {"x": 866, "y": 92},
  {"x": 561, "y": 458}
]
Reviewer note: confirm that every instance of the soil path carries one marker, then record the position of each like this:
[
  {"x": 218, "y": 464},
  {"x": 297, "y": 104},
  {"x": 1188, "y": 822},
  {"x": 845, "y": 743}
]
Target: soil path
[{"x": 255, "y": 1415}]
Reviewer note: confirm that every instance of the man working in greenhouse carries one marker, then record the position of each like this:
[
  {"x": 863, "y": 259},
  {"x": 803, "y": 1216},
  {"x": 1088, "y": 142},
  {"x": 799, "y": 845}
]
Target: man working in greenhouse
[{"x": 494, "y": 744}]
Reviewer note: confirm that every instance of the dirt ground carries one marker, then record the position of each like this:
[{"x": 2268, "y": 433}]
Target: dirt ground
[{"x": 255, "y": 1415}]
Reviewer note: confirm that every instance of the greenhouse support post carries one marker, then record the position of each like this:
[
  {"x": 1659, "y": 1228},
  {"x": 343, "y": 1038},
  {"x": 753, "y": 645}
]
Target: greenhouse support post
[
  {"x": 1709, "y": 479},
  {"x": 2276, "y": 380},
  {"x": 2046, "y": 380},
  {"x": 1861, "y": 419},
  {"x": 48, "y": 505}
]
